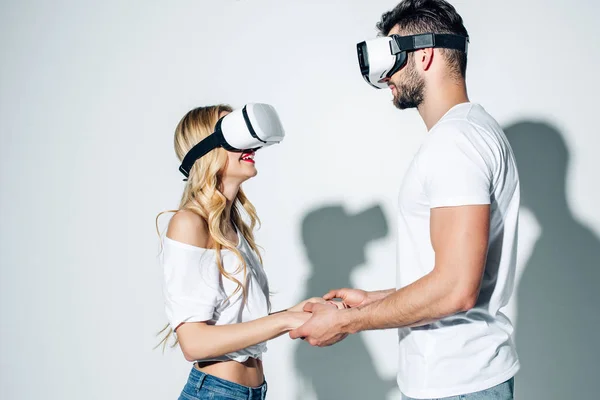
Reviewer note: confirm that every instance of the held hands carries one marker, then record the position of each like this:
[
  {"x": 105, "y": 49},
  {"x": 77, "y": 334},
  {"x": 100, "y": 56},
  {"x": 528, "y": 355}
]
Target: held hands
[
  {"x": 350, "y": 297},
  {"x": 328, "y": 324},
  {"x": 295, "y": 319},
  {"x": 318, "y": 300},
  {"x": 299, "y": 314},
  {"x": 300, "y": 306}
]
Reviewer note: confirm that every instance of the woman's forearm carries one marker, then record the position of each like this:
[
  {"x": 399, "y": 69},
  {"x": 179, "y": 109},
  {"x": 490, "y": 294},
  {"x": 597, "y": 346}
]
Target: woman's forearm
[{"x": 201, "y": 341}]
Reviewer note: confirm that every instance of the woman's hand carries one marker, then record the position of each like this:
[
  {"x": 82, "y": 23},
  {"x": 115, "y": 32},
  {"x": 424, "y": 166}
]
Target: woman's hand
[
  {"x": 339, "y": 304},
  {"x": 300, "y": 306},
  {"x": 295, "y": 319}
]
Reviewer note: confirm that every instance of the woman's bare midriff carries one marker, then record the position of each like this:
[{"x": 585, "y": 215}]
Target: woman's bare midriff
[{"x": 249, "y": 373}]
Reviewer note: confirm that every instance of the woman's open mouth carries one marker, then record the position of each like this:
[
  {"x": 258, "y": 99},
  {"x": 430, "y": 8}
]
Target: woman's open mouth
[{"x": 248, "y": 157}]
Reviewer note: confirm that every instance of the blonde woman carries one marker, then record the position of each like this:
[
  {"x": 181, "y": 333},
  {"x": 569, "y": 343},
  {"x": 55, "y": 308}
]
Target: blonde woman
[{"x": 216, "y": 291}]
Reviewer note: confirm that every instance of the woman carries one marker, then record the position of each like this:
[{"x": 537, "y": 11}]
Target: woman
[{"x": 216, "y": 291}]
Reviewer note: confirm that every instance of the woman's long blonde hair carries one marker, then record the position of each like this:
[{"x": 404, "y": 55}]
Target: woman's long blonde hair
[{"x": 203, "y": 194}]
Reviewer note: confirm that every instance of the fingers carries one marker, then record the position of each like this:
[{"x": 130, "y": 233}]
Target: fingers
[
  {"x": 297, "y": 333},
  {"x": 309, "y": 307},
  {"x": 314, "y": 307},
  {"x": 318, "y": 300},
  {"x": 338, "y": 304},
  {"x": 332, "y": 294}
]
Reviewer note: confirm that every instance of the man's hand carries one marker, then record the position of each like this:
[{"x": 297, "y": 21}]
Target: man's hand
[
  {"x": 350, "y": 297},
  {"x": 324, "y": 328},
  {"x": 355, "y": 297}
]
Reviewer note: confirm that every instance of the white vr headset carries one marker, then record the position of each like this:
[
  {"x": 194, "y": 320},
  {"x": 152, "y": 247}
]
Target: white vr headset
[
  {"x": 256, "y": 125},
  {"x": 381, "y": 58}
]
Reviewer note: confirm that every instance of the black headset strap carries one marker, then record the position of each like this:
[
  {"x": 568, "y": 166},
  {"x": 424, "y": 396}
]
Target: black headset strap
[
  {"x": 428, "y": 40},
  {"x": 209, "y": 143}
]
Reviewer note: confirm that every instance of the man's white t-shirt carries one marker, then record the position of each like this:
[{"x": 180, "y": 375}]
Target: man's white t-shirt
[{"x": 465, "y": 160}]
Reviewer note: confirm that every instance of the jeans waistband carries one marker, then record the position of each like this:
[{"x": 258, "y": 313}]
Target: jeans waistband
[{"x": 198, "y": 379}]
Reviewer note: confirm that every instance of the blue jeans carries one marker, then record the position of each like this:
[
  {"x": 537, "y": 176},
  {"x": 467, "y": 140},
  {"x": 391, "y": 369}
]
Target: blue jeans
[
  {"x": 503, "y": 391},
  {"x": 201, "y": 386}
]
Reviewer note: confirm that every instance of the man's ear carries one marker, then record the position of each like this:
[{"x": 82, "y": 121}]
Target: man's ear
[{"x": 424, "y": 58}]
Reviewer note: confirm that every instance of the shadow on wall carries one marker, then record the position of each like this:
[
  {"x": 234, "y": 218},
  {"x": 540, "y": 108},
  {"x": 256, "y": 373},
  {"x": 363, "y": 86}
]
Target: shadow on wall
[
  {"x": 558, "y": 319},
  {"x": 335, "y": 244}
]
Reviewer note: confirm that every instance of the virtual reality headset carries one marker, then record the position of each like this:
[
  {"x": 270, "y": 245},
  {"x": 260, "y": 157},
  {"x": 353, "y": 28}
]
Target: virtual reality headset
[
  {"x": 381, "y": 58},
  {"x": 256, "y": 125}
]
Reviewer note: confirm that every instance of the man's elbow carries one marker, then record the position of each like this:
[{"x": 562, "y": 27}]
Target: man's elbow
[{"x": 463, "y": 299}]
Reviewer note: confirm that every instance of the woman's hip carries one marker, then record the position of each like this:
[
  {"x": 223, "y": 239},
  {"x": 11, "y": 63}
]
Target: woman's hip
[{"x": 202, "y": 386}]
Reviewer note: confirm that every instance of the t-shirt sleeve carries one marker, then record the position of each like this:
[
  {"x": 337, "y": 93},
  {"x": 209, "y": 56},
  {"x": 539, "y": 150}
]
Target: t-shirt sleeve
[
  {"x": 192, "y": 283},
  {"x": 453, "y": 172}
]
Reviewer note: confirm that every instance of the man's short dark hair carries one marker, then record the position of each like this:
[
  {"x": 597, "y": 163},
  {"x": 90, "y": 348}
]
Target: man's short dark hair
[{"x": 424, "y": 16}]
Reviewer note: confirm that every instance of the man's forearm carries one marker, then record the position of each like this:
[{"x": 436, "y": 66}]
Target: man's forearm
[
  {"x": 424, "y": 301},
  {"x": 378, "y": 295}
]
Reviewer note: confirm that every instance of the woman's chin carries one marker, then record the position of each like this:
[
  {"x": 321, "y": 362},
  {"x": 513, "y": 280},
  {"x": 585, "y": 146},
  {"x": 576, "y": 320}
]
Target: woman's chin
[
  {"x": 250, "y": 173},
  {"x": 253, "y": 173},
  {"x": 250, "y": 170}
]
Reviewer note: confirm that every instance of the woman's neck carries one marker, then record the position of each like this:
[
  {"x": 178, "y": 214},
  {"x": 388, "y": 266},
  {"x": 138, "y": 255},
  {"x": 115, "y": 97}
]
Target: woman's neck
[{"x": 230, "y": 191}]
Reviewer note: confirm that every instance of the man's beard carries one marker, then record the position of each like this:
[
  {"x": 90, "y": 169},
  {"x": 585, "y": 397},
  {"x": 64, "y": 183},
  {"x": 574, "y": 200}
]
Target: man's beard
[{"x": 410, "y": 93}]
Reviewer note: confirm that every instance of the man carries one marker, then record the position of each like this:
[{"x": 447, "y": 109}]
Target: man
[{"x": 457, "y": 232}]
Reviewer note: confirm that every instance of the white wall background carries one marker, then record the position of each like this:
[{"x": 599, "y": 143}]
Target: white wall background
[{"x": 90, "y": 93}]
